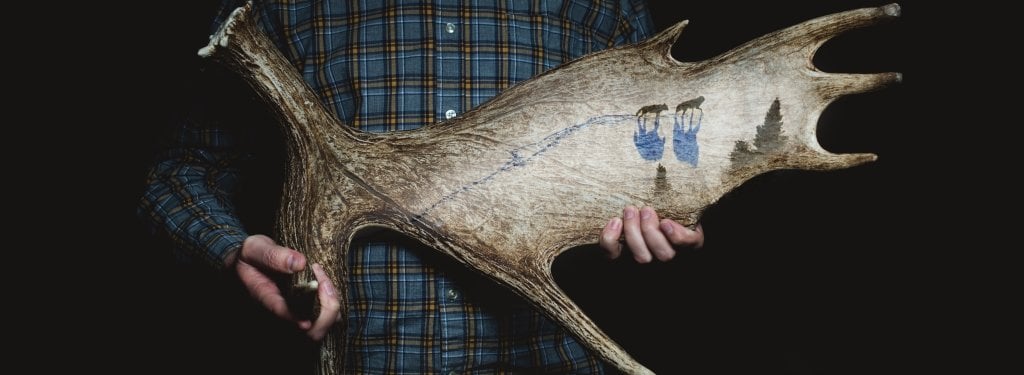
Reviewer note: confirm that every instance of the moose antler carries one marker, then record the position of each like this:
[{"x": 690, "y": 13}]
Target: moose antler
[{"x": 516, "y": 181}]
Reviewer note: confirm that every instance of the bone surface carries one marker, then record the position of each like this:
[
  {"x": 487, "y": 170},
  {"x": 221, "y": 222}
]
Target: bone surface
[{"x": 542, "y": 167}]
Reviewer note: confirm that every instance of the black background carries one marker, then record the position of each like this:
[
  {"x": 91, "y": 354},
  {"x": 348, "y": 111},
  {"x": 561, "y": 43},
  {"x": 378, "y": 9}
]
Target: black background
[{"x": 840, "y": 272}]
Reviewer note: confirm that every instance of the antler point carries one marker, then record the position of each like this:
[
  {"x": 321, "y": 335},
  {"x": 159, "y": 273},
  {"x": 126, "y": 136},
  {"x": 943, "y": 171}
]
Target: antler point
[{"x": 892, "y": 10}]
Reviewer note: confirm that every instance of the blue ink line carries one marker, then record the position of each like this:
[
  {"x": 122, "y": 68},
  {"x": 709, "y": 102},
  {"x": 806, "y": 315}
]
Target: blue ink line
[{"x": 517, "y": 160}]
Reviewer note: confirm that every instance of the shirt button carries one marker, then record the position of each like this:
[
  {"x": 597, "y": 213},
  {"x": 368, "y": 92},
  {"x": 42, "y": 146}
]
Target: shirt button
[
  {"x": 452, "y": 294},
  {"x": 449, "y": 114},
  {"x": 452, "y": 373},
  {"x": 450, "y": 28}
]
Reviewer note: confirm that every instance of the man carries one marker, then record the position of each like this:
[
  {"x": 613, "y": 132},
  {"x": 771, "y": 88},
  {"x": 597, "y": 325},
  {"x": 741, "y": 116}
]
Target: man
[{"x": 393, "y": 66}]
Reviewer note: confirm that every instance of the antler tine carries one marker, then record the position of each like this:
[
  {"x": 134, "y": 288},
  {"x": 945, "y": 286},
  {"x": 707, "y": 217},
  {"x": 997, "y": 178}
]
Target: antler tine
[
  {"x": 830, "y": 86},
  {"x": 658, "y": 49},
  {"x": 221, "y": 38},
  {"x": 803, "y": 40},
  {"x": 834, "y": 85},
  {"x": 241, "y": 45},
  {"x": 822, "y": 29}
]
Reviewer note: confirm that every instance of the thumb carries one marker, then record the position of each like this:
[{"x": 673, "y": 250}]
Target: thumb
[{"x": 263, "y": 253}]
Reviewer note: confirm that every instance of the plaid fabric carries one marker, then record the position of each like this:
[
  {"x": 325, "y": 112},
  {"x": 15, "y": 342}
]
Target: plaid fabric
[
  {"x": 188, "y": 193},
  {"x": 397, "y": 65},
  {"x": 415, "y": 313},
  {"x": 390, "y": 66}
]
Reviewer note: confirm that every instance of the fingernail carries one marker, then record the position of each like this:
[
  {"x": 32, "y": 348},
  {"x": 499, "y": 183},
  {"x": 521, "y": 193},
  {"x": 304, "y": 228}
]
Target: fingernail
[
  {"x": 667, "y": 228},
  {"x": 629, "y": 213},
  {"x": 614, "y": 254},
  {"x": 291, "y": 263},
  {"x": 646, "y": 212},
  {"x": 614, "y": 223}
]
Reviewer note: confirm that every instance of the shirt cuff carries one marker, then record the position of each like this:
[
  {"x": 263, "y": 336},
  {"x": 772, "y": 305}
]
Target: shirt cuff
[{"x": 220, "y": 242}]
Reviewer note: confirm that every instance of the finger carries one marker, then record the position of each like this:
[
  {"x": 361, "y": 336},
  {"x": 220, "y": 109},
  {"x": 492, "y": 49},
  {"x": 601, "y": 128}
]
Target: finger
[
  {"x": 634, "y": 237},
  {"x": 330, "y": 306},
  {"x": 610, "y": 238},
  {"x": 262, "y": 252},
  {"x": 655, "y": 240},
  {"x": 680, "y": 235},
  {"x": 263, "y": 289}
]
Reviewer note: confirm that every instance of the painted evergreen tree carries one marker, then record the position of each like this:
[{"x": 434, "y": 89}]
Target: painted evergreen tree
[{"x": 768, "y": 139}]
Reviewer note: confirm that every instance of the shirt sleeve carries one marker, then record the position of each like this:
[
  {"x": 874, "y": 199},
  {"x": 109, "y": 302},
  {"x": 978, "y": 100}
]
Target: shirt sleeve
[
  {"x": 190, "y": 186},
  {"x": 206, "y": 154}
]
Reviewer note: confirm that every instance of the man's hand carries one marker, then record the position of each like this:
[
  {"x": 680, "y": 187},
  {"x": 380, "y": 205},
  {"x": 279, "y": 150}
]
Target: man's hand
[
  {"x": 261, "y": 258},
  {"x": 648, "y": 237}
]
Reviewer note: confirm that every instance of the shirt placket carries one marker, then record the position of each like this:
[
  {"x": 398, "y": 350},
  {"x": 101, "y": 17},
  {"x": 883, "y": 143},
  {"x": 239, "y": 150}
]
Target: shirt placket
[
  {"x": 448, "y": 60},
  {"x": 453, "y": 320},
  {"x": 448, "y": 99}
]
